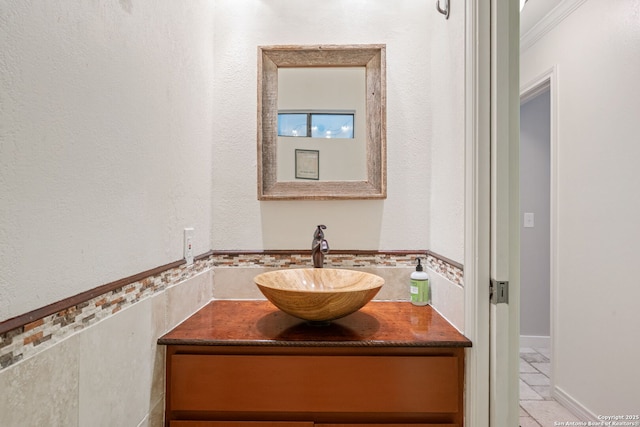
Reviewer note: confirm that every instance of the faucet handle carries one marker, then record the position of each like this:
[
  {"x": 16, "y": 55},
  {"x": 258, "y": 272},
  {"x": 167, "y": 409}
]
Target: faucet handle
[{"x": 319, "y": 234}]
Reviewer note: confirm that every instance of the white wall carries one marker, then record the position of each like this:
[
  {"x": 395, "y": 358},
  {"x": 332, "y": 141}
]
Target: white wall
[
  {"x": 596, "y": 346},
  {"x": 446, "y": 125},
  {"x": 105, "y": 142},
  {"x": 425, "y": 123},
  {"x": 535, "y": 175}
]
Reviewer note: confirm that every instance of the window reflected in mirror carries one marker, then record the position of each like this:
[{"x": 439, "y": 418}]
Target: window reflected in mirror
[
  {"x": 332, "y": 125},
  {"x": 316, "y": 125}
]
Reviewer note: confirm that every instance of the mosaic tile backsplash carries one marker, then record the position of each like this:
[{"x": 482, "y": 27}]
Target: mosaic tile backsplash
[{"x": 28, "y": 340}]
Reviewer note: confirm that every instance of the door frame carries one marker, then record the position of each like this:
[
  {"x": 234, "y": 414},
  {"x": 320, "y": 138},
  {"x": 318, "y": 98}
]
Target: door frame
[
  {"x": 492, "y": 133},
  {"x": 549, "y": 80},
  {"x": 477, "y": 210}
]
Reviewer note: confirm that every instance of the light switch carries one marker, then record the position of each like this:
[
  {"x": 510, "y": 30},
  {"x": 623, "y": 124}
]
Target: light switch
[{"x": 529, "y": 220}]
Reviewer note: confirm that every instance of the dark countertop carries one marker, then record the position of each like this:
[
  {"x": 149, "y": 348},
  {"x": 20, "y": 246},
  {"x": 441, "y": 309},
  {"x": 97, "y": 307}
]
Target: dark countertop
[{"x": 259, "y": 323}]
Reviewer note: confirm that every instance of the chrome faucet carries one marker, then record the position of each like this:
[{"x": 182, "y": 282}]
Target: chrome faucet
[{"x": 319, "y": 247}]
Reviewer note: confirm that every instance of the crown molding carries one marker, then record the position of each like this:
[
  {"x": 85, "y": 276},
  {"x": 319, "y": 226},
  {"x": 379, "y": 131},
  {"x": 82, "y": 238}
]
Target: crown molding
[{"x": 549, "y": 22}]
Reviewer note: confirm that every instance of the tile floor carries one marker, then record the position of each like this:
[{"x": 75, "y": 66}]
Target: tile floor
[{"x": 537, "y": 407}]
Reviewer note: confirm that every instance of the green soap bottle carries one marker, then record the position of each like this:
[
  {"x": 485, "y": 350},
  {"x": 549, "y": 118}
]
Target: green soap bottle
[{"x": 419, "y": 289}]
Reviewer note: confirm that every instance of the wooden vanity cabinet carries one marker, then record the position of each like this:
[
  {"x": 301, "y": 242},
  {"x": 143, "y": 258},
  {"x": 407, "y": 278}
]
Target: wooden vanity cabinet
[
  {"x": 312, "y": 383},
  {"x": 323, "y": 385},
  {"x": 284, "y": 424}
]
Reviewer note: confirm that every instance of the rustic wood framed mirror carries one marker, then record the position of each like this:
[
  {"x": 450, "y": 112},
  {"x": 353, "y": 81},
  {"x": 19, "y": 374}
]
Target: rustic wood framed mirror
[{"x": 371, "y": 61}]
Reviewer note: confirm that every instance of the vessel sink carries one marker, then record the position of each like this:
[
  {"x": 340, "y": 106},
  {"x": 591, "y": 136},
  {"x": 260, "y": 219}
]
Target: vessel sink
[{"x": 318, "y": 294}]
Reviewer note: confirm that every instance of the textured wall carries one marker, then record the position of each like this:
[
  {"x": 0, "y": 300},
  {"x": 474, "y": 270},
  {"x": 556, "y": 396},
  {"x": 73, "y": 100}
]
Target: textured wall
[
  {"x": 425, "y": 76},
  {"x": 105, "y": 142},
  {"x": 446, "y": 132},
  {"x": 108, "y": 122}
]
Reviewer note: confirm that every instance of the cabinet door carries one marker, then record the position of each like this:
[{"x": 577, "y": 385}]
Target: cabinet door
[{"x": 241, "y": 424}]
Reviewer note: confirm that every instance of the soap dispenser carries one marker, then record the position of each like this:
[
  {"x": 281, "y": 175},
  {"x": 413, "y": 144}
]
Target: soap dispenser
[{"x": 420, "y": 286}]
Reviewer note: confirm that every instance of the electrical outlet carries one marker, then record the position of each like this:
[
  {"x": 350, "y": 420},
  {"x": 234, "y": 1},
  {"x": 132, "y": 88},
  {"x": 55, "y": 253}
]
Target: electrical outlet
[{"x": 188, "y": 245}]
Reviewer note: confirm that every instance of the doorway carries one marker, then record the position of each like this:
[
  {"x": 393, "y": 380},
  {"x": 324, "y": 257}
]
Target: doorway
[
  {"x": 537, "y": 247},
  {"x": 535, "y": 214}
]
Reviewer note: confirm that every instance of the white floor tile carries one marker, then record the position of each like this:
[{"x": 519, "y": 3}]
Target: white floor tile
[
  {"x": 548, "y": 412},
  {"x": 544, "y": 351},
  {"x": 535, "y": 379},
  {"x": 537, "y": 406},
  {"x": 543, "y": 390},
  {"x": 527, "y": 393},
  {"x": 534, "y": 357},
  {"x": 545, "y": 368},
  {"x": 528, "y": 422},
  {"x": 525, "y": 367}
]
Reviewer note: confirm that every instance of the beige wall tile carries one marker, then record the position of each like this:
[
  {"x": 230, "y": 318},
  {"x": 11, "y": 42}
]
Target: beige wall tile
[
  {"x": 155, "y": 418},
  {"x": 186, "y": 297},
  {"x": 159, "y": 326},
  {"x": 116, "y": 365},
  {"x": 448, "y": 299},
  {"x": 42, "y": 390},
  {"x": 237, "y": 282},
  {"x": 396, "y": 282}
]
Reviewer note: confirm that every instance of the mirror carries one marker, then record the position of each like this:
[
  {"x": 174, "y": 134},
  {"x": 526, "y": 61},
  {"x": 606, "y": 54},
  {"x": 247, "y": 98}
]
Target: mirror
[
  {"x": 321, "y": 119},
  {"x": 314, "y": 167}
]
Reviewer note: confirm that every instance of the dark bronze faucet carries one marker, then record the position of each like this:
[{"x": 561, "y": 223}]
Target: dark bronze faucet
[{"x": 319, "y": 247}]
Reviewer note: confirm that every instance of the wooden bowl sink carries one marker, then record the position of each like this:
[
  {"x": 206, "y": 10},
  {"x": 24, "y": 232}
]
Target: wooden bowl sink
[{"x": 318, "y": 294}]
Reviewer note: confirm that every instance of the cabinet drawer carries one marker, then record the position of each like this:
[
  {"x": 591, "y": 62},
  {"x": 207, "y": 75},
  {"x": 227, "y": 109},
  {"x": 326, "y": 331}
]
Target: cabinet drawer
[
  {"x": 290, "y": 424},
  {"x": 386, "y": 425},
  {"x": 241, "y": 424},
  {"x": 307, "y": 384}
]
